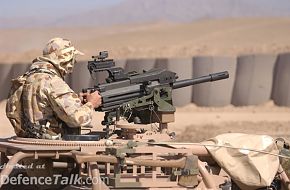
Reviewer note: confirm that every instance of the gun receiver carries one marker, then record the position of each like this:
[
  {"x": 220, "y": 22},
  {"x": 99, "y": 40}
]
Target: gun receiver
[{"x": 136, "y": 96}]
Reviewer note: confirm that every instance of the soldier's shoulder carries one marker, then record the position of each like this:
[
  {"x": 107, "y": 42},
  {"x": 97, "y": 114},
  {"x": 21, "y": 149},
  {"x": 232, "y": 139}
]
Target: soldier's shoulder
[
  {"x": 42, "y": 69},
  {"x": 42, "y": 77}
]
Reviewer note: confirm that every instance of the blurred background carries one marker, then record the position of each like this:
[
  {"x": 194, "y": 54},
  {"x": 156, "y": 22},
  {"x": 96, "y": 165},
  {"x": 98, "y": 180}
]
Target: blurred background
[{"x": 249, "y": 38}]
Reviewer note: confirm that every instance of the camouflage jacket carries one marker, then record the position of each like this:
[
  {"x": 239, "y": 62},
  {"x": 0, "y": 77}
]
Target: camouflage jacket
[{"x": 47, "y": 99}]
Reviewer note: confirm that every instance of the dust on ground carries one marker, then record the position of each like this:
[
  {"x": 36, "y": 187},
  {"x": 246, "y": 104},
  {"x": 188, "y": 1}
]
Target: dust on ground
[
  {"x": 198, "y": 133},
  {"x": 195, "y": 124}
]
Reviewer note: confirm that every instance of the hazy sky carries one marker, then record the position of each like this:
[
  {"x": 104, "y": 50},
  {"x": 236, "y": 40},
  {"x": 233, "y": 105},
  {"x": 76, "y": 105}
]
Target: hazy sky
[
  {"x": 51, "y": 8},
  {"x": 62, "y": 13}
]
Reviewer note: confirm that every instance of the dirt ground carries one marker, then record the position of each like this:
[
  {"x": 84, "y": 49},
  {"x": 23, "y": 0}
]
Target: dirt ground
[{"x": 194, "y": 124}]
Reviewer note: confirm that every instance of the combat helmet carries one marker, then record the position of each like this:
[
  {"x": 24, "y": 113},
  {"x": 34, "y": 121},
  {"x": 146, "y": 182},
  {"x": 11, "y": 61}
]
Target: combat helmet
[{"x": 62, "y": 54}]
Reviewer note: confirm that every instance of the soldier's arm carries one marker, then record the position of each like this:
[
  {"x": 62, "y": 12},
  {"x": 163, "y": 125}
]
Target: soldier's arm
[{"x": 67, "y": 105}]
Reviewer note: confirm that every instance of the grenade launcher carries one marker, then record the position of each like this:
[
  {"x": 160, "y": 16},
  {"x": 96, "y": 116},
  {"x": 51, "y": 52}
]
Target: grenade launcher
[{"x": 142, "y": 98}]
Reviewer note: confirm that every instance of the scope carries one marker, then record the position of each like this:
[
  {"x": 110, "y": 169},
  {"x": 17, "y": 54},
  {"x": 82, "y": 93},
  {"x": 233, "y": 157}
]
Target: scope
[{"x": 102, "y": 55}]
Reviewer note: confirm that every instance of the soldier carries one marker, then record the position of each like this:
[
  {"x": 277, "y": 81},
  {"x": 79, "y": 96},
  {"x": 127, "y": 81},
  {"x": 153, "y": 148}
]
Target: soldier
[{"x": 50, "y": 108}]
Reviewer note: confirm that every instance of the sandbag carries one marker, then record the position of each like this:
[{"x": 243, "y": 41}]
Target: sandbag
[{"x": 248, "y": 169}]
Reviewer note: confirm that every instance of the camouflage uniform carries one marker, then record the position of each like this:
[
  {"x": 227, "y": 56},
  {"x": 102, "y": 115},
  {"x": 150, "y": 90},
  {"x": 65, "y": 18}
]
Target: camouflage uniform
[{"x": 48, "y": 102}]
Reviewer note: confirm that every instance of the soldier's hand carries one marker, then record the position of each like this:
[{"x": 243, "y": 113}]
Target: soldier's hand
[
  {"x": 94, "y": 98},
  {"x": 83, "y": 96}
]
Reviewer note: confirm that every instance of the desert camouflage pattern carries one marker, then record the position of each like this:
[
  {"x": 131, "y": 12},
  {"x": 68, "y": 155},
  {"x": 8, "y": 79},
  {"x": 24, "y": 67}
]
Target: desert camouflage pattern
[
  {"x": 62, "y": 54},
  {"x": 48, "y": 101},
  {"x": 48, "y": 104}
]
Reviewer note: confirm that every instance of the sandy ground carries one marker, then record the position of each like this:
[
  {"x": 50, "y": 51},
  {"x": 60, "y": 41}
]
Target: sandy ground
[
  {"x": 194, "y": 124},
  {"x": 206, "y": 37}
]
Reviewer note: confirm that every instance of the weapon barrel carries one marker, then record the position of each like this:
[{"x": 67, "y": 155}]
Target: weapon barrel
[{"x": 203, "y": 79}]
